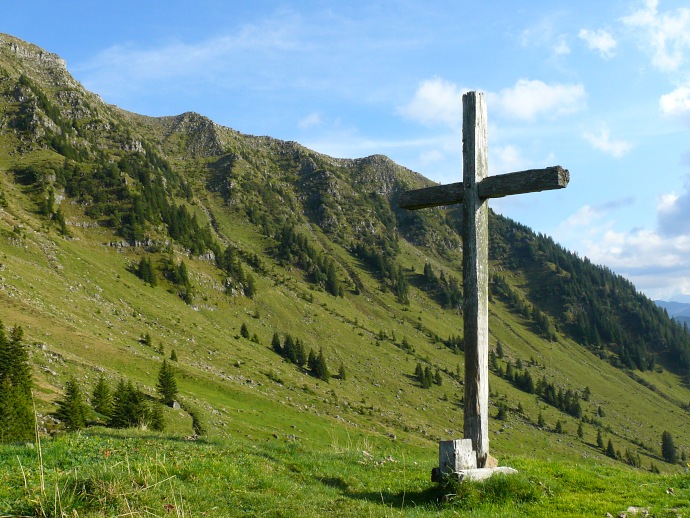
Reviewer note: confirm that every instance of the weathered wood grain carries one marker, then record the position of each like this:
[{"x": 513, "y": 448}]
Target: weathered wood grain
[
  {"x": 531, "y": 180},
  {"x": 475, "y": 264},
  {"x": 473, "y": 192}
]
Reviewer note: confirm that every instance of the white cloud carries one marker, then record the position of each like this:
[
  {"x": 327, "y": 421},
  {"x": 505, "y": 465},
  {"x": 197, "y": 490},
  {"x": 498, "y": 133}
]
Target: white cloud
[
  {"x": 310, "y": 121},
  {"x": 666, "y": 34},
  {"x": 562, "y": 48},
  {"x": 506, "y": 159},
  {"x": 667, "y": 202},
  {"x": 673, "y": 214},
  {"x": 656, "y": 260},
  {"x": 603, "y": 142},
  {"x": 430, "y": 156},
  {"x": 676, "y": 103},
  {"x": 601, "y": 41},
  {"x": 436, "y": 102},
  {"x": 531, "y": 98}
]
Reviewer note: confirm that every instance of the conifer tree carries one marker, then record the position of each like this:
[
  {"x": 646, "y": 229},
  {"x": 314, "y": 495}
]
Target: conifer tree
[
  {"x": 72, "y": 409},
  {"x": 437, "y": 378},
  {"x": 428, "y": 379},
  {"x": 121, "y": 415},
  {"x": 320, "y": 370},
  {"x": 610, "y": 451},
  {"x": 301, "y": 353},
  {"x": 130, "y": 408},
  {"x": 289, "y": 349},
  {"x": 275, "y": 343},
  {"x": 157, "y": 417},
  {"x": 580, "y": 431},
  {"x": 167, "y": 385},
  {"x": 102, "y": 398},
  {"x": 311, "y": 360},
  {"x": 668, "y": 448},
  {"x": 250, "y": 286},
  {"x": 16, "y": 415},
  {"x": 146, "y": 272},
  {"x": 502, "y": 412},
  {"x": 341, "y": 372},
  {"x": 173, "y": 356},
  {"x": 419, "y": 372},
  {"x": 600, "y": 440},
  {"x": 540, "y": 421},
  {"x": 244, "y": 332}
]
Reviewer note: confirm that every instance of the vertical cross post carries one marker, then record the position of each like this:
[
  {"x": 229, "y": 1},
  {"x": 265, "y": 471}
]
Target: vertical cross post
[
  {"x": 473, "y": 192},
  {"x": 475, "y": 235}
]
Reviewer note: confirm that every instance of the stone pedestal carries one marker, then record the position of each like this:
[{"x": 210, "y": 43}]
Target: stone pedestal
[{"x": 456, "y": 459}]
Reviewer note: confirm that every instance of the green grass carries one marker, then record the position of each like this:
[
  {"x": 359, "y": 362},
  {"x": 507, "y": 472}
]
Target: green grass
[{"x": 112, "y": 473}]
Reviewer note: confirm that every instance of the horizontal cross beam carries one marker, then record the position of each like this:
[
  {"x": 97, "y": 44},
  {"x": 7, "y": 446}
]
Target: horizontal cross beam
[{"x": 532, "y": 180}]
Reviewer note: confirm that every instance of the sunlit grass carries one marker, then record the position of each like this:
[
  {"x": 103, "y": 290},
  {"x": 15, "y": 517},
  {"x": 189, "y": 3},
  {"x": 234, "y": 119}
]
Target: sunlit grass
[{"x": 135, "y": 473}]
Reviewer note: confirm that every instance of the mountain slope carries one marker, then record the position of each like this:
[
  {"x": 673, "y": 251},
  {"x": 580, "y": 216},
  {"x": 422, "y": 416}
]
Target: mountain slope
[{"x": 285, "y": 240}]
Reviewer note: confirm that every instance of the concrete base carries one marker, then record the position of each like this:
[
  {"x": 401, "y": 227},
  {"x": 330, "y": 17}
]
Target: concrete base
[
  {"x": 476, "y": 474},
  {"x": 482, "y": 473}
]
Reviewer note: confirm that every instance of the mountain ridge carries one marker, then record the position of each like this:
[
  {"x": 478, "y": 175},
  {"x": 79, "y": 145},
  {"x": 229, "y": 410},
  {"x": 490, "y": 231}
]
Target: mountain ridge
[{"x": 90, "y": 190}]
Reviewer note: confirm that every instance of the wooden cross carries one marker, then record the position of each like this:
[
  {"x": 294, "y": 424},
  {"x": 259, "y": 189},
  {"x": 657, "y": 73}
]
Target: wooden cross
[{"x": 473, "y": 192}]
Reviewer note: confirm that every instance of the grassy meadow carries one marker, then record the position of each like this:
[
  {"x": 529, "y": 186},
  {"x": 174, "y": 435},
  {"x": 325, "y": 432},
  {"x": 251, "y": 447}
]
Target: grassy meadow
[{"x": 101, "y": 472}]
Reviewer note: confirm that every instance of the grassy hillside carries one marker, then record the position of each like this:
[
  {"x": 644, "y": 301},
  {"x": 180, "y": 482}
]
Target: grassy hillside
[{"x": 87, "y": 191}]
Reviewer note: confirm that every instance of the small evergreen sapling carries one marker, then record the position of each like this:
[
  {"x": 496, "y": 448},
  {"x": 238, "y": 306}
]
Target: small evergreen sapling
[{"x": 167, "y": 385}]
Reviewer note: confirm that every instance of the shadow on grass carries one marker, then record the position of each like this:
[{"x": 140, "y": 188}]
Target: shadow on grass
[
  {"x": 433, "y": 495},
  {"x": 499, "y": 490}
]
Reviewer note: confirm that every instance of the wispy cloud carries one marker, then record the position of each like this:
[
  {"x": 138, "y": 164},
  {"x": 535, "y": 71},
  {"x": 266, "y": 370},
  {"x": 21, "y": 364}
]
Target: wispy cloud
[
  {"x": 529, "y": 99},
  {"x": 656, "y": 260},
  {"x": 436, "y": 102},
  {"x": 604, "y": 142},
  {"x": 666, "y": 34},
  {"x": 602, "y": 41},
  {"x": 561, "y": 48},
  {"x": 310, "y": 121}
]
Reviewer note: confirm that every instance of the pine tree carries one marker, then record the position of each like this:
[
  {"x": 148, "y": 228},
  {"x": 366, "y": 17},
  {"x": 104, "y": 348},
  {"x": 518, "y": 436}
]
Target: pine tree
[
  {"x": 102, "y": 398},
  {"x": 130, "y": 408},
  {"x": 559, "y": 427},
  {"x": 157, "y": 417},
  {"x": 146, "y": 272},
  {"x": 119, "y": 416},
  {"x": 244, "y": 332},
  {"x": 502, "y": 412},
  {"x": 16, "y": 414},
  {"x": 499, "y": 349},
  {"x": 419, "y": 373},
  {"x": 167, "y": 386},
  {"x": 540, "y": 421},
  {"x": 311, "y": 360},
  {"x": 72, "y": 409},
  {"x": 250, "y": 286},
  {"x": 341, "y": 372},
  {"x": 173, "y": 356},
  {"x": 320, "y": 370},
  {"x": 289, "y": 349},
  {"x": 580, "y": 431},
  {"x": 610, "y": 451},
  {"x": 668, "y": 448},
  {"x": 301, "y": 353},
  {"x": 275, "y": 344},
  {"x": 437, "y": 378},
  {"x": 600, "y": 440}
]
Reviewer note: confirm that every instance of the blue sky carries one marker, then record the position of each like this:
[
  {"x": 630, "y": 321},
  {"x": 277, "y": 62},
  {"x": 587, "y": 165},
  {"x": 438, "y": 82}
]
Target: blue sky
[{"x": 601, "y": 88}]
